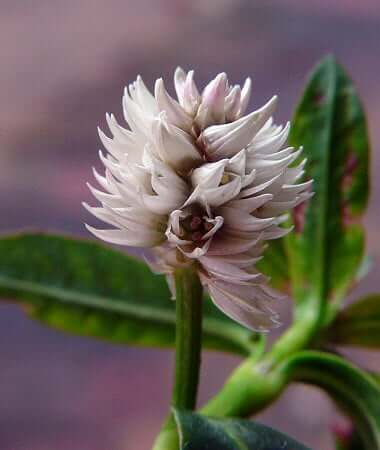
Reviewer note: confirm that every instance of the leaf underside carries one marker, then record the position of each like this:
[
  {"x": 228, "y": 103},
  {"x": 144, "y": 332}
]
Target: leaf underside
[{"x": 199, "y": 432}]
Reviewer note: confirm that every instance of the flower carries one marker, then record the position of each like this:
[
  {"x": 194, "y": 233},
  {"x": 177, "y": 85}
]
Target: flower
[{"x": 202, "y": 184}]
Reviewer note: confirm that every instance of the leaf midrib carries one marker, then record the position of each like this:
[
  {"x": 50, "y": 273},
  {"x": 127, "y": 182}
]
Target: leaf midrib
[
  {"x": 156, "y": 315},
  {"x": 325, "y": 198}
]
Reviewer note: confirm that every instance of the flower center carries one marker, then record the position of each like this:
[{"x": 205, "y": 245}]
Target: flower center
[{"x": 196, "y": 225}]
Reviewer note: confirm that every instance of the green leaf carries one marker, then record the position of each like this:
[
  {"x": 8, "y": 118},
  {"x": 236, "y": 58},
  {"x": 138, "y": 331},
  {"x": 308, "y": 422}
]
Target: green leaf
[
  {"x": 358, "y": 324},
  {"x": 354, "y": 391},
  {"x": 326, "y": 248},
  {"x": 84, "y": 288},
  {"x": 200, "y": 432}
]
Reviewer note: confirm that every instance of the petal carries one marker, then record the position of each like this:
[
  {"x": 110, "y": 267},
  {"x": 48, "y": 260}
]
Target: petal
[
  {"x": 174, "y": 111},
  {"x": 226, "y": 140},
  {"x": 252, "y": 203},
  {"x": 232, "y": 104},
  {"x": 233, "y": 304},
  {"x": 175, "y": 146},
  {"x": 191, "y": 97},
  {"x": 241, "y": 220},
  {"x": 124, "y": 237},
  {"x": 245, "y": 96},
  {"x": 231, "y": 245},
  {"x": 209, "y": 175},
  {"x": 211, "y": 109},
  {"x": 179, "y": 83}
]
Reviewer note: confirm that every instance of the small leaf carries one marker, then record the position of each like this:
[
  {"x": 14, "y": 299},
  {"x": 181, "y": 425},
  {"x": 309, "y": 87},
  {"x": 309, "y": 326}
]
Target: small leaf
[
  {"x": 326, "y": 248},
  {"x": 358, "y": 324},
  {"x": 353, "y": 390},
  {"x": 199, "y": 432},
  {"x": 84, "y": 288}
]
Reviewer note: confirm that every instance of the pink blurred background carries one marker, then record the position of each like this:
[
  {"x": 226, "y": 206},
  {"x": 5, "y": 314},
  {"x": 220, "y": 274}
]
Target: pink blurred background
[{"x": 63, "y": 65}]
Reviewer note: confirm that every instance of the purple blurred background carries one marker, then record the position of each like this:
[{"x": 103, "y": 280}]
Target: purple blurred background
[{"x": 63, "y": 65}]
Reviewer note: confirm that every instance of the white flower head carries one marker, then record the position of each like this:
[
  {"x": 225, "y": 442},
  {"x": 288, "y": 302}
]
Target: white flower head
[{"x": 202, "y": 184}]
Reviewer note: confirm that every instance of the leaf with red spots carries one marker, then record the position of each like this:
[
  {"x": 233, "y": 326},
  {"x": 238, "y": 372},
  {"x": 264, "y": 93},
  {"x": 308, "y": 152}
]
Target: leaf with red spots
[{"x": 326, "y": 248}]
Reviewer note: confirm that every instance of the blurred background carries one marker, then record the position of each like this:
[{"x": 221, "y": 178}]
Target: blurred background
[{"x": 63, "y": 65}]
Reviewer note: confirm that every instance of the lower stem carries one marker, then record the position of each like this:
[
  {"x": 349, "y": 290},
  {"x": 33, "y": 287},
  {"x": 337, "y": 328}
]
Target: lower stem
[
  {"x": 188, "y": 338},
  {"x": 188, "y": 352}
]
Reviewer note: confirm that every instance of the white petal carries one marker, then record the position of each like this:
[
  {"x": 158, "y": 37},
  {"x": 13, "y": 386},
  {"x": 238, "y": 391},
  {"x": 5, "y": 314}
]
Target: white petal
[
  {"x": 175, "y": 146},
  {"x": 191, "y": 97},
  {"x": 124, "y": 237},
  {"x": 245, "y": 96},
  {"x": 241, "y": 220},
  {"x": 179, "y": 83},
  {"x": 233, "y": 104},
  {"x": 214, "y": 197},
  {"x": 226, "y": 140},
  {"x": 271, "y": 143},
  {"x": 209, "y": 175},
  {"x": 252, "y": 203}
]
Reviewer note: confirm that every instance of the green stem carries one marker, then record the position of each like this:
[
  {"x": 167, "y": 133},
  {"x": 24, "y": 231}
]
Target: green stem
[
  {"x": 188, "y": 352},
  {"x": 188, "y": 338},
  {"x": 255, "y": 384}
]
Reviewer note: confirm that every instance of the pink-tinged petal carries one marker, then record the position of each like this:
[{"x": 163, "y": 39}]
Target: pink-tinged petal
[
  {"x": 174, "y": 111},
  {"x": 231, "y": 245},
  {"x": 211, "y": 109},
  {"x": 247, "y": 316},
  {"x": 223, "y": 270}
]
